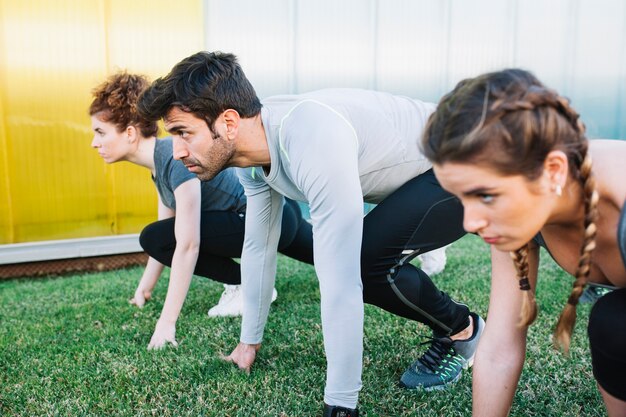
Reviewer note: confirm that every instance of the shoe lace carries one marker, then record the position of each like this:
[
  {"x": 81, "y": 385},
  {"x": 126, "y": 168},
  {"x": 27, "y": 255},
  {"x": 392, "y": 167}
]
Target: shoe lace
[
  {"x": 601, "y": 291},
  {"x": 440, "y": 348},
  {"x": 229, "y": 292}
]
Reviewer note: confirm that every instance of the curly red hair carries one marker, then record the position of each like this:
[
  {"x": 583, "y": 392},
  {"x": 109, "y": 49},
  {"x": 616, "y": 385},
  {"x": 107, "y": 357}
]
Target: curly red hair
[{"x": 115, "y": 101}]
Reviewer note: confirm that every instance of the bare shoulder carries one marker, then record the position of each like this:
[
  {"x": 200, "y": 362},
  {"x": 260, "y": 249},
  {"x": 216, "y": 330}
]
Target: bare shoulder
[{"x": 609, "y": 168}]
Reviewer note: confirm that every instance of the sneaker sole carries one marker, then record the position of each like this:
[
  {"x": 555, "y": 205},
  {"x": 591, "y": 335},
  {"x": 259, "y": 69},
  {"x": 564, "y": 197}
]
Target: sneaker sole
[{"x": 433, "y": 387}]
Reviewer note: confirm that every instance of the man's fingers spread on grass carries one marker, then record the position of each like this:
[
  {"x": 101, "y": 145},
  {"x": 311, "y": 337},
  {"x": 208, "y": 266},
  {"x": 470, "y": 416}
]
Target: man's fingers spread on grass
[
  {"x": 231, "y": 359},
  {"x": 226, "y": 358}
]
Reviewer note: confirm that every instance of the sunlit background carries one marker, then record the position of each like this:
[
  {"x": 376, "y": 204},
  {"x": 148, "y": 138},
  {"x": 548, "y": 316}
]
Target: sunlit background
[{"x": 53, "y": 52}]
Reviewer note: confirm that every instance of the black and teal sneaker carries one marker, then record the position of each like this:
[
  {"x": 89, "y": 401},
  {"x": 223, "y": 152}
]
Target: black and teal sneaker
[
  {"x": 335, "y": 411},
  {"x": 593, "y": 292},
  {"x": 444, "y": 361}
]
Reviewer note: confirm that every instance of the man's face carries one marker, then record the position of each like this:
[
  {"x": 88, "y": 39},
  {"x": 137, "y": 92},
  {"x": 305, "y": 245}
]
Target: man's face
[{"x": 205, "y": 153}]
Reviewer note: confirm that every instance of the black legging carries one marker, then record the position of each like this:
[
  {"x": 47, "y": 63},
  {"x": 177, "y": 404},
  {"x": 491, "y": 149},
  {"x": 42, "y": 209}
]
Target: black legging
[
  {"x": 221, "y": 239},
  {"x": 418, "y": 217},
  {"x": 607, "y": 340}
]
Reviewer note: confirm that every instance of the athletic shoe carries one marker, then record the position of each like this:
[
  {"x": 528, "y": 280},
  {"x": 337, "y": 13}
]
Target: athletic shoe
[
  {"x": 231, "y": 302},
  {"x": 444, "y": 361},
  {"x": 592, "y": 292},
  {"x": 433, "y": 262},
  {"x": 335, "y": 411}
]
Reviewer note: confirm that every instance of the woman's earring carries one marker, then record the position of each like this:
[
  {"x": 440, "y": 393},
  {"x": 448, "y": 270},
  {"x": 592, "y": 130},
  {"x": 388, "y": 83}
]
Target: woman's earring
[{"x": 558, "y": 190}]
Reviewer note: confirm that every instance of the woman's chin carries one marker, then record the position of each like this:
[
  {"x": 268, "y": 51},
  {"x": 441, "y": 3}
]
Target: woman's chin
[{"x": 509, "y": 245}]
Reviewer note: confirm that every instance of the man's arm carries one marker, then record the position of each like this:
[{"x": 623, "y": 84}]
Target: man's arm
[
  {"x": 153, "y": 269},
  {"x": 187, "y": 232},
  {"x": 323, "y": 153},
  {"x": 500, "y": 355},
  {"x": 258, "y": 265}
]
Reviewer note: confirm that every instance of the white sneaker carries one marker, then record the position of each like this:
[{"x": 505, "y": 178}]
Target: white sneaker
[
  {"x": 231, "y": 302},
  {"x": 433, "y": 262}
]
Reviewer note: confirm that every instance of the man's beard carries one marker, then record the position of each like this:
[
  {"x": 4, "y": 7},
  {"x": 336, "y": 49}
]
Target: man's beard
[{"x": 216, "y": 159}]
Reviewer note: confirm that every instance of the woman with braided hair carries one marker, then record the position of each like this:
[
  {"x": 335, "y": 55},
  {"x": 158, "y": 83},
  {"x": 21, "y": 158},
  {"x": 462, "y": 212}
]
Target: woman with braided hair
[{"x": 515, "y": 153}]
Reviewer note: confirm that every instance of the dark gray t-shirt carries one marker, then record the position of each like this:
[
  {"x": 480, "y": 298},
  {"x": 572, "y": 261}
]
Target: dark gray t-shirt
[{"x": 222, "y": 193}]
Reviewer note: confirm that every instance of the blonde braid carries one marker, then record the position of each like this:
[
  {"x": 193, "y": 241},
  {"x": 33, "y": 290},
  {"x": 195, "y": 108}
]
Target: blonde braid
[
  {"x": 528, "y": 313},
  {"x": 537, "y": 97},
  {"x": 565, "y": 325}
]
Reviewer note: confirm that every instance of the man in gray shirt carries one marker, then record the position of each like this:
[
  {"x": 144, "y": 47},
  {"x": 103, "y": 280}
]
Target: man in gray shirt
[{"x": 333, "y": 149}]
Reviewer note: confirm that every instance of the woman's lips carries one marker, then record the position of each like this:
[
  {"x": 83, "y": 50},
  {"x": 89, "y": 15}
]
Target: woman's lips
[{"x": 492, "y": 240}]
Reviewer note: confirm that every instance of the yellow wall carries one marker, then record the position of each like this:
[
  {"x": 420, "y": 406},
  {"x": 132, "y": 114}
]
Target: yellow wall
[{"x": 52, "y": 53}]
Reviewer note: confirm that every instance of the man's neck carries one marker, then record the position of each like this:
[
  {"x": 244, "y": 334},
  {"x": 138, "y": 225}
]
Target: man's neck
[{"x": 252, "y": 147}]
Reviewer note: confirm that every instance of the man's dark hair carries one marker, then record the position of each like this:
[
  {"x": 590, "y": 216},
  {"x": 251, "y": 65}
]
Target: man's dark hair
[{"x": 204, "y": 84}]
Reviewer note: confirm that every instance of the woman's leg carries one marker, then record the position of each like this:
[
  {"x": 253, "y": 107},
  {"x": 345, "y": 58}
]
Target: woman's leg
[
  {"x": 221, "y": 239},
  {"x": 607, "y": 340},
  {"x": 296, "y": 237}
]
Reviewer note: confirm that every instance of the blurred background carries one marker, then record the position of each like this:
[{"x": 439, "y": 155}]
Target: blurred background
[{"x": 58, "y": 199}]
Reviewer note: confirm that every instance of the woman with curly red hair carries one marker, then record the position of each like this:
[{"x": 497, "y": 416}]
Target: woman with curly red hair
[{"x": 201, "y": 224}]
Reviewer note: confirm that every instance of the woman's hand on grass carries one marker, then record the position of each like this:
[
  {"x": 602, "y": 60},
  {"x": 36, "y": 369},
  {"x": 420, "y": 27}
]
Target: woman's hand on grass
[
  {"x": 148, "y": 280},
  {"x": 243, "y": 356},
  {"x": 164, "y": 333},
  {"x": 140, "y": 297}
]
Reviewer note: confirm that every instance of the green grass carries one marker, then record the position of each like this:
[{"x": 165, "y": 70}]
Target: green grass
[{"x": 73, "y": 346}]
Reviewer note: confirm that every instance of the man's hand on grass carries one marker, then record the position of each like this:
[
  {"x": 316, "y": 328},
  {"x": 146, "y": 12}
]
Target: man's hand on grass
[
  {"x": 164, "y": 333},
  {"x": 243, "y": 356}
]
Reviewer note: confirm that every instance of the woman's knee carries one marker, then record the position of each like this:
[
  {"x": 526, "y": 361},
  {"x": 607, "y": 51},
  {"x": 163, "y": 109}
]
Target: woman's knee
[
  {"x": 158, "y": 236},
  {"x": 607, "y": 340},
  {"x": 607, "y": 327},
  {"x": 147, "y": 237}
]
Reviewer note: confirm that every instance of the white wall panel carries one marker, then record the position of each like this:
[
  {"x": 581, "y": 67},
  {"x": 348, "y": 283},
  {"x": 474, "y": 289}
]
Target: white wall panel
[
  {"x": 260, "y": 33},
  {"x": 422, "y": 48},
  {"x": 334, "y": 44},
  {"x": 597, "y": 65},
  {"x": 544, "y": 43},
  {"x": 412, "y": 47},
  {"x": 480, "y": 38},
  {"x": 621, "y": 87}
]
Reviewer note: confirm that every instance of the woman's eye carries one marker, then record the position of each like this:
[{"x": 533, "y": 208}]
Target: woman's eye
[{"x": 486, "y": 198}]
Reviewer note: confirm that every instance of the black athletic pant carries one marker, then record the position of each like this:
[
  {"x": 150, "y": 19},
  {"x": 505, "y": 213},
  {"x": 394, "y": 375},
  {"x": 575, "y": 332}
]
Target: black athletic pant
[
  {"x": 607, "y": 340},
  {"x": 221, "y": 239},
  {"x": 418, "y": 217}
]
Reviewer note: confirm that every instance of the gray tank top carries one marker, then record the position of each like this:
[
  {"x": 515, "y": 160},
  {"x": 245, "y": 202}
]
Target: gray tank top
[{"x": 222, "y": 193}]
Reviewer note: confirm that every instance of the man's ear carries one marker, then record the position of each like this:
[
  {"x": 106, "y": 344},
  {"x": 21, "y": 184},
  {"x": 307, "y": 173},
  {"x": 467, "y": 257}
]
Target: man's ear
[
  {"x": 231, "y": 120},
  {"x": 556, "y": 168}
]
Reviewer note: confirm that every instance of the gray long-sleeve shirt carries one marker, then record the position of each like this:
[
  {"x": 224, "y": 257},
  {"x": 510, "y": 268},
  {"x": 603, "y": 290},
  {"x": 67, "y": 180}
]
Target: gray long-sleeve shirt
[{"x": 334, "y": 149}]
